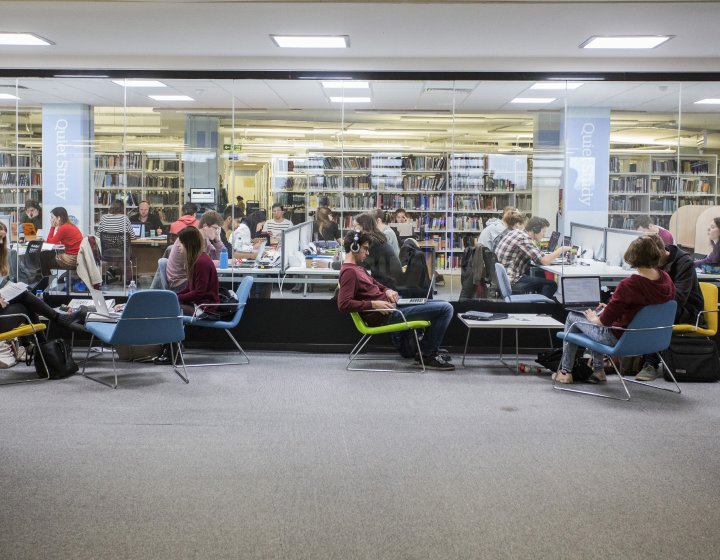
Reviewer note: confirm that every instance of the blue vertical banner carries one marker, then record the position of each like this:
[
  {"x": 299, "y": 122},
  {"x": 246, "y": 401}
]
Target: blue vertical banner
[
  {"x": 67, "y": 132},
  {"x": 587, "y": 161}
]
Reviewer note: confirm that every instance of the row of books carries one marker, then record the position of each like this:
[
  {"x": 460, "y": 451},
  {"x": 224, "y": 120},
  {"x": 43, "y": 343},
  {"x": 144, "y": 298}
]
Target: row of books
[
  {"x": 115, "y": 180},
  {"x": 663, "y": 205},
  {"x": 163, "y": 165},
  {"x": 11, "y": 159},
  {"x": 628, "y": 184},
  {"x": 10, "y": 178},
  {"x": 700, "y": 185},
  {"x": 623, "y": 165},
  {"x": 687, "y": 166},
  {"x": 127, "y": 160},
  {"x": 417, "y": 202},
  {"x": 17, "y": 197},
  {"x": 161, "y": 182},
  {"x": 630, "y": 204}
]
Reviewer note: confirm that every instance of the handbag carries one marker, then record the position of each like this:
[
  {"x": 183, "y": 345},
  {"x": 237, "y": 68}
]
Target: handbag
[
  {"x": 692, "y": 359},
  {"x": 7, "y": 355},
  {"x": 221, "y": 312},
  {"x": 58, "y": 358}
]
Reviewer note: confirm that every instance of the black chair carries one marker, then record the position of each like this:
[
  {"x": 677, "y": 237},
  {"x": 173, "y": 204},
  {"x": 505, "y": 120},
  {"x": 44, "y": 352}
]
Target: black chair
[{"x": 116, "y": 252}]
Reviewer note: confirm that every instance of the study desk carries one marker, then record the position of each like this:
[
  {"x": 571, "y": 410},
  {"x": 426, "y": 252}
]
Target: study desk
[
  {"x": 235, "y": 274},
  {"x": 588, "y": 267},
  {"x": 515, "y": 321},
  {"x": 305, "y": 276},
  {"x": 146, "y": 251}
]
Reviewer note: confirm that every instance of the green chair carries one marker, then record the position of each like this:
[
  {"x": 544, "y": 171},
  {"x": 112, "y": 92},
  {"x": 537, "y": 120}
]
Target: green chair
[{"x": 369, "y": 332}]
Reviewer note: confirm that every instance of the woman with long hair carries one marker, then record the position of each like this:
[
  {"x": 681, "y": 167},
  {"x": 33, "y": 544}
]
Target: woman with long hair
[
  {"x": 324, "y": 229},
  {"x": 62, "y": 232},
  {"x": 383, "y": 263},
  {"x": 27, "y": 303},
  {"x": 713, "y": 259}
]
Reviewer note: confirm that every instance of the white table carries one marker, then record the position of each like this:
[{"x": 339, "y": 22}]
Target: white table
[
  {"x": 588, "y": 267},
  {"x": 305, "y": 276},
  {"x": 515, "y": 321}
]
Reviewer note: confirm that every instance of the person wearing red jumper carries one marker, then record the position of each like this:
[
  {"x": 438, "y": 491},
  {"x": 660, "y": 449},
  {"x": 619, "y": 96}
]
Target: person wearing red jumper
[
  {"x": 649, "y": 286},
  {"x": 62, "y": 232}
]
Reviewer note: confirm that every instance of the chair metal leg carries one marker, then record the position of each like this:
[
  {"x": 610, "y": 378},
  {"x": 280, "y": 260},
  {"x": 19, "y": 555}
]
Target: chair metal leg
[
  {"x": 182, "y": 361},
  {"x": 97, "y": 379},
  {"x": 358, "y": 348},
  {"x": 561, "y": 387},
  {"x": 678, "y": 391},
  {"x": 237, "y": 345}
]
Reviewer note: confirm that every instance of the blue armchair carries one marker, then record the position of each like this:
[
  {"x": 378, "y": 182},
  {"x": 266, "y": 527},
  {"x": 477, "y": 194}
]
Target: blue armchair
[
  {"x": 506, "y": 289},
  {"x": 648, "y": 333},
  {"x": 149, "y": 317}
]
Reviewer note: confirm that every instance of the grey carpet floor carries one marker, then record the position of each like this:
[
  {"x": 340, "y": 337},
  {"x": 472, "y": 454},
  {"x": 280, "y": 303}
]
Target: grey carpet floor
[{"x": 293, "y": 457}]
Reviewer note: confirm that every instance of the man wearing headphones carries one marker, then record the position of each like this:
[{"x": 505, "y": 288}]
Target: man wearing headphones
[
  {"x": 519, "y": 248},
  {"x": 361, "y": 292}
]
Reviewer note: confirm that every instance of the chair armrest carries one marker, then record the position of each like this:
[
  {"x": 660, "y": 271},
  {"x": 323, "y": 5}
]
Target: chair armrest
[
  {"x": 622, "y": 328},
  {"x": 697, "y": 321},
  {"x": 29, "y": 322},
  {"x": 201, "y": 306},
  {"x": 388, "y": 311}
]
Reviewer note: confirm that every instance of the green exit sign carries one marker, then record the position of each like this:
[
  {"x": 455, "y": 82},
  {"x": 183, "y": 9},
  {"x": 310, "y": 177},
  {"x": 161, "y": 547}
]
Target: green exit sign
[{"x": 228, "y": 147}]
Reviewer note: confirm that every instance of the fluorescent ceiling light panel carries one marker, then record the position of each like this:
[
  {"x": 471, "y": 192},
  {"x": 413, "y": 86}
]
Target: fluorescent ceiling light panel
[
  {"x": 139, "y": 83},
  {"x": 708, "y": 101},
  {"x": 350, "y": 99},
  {"x": 556, "y": 85},
  {"x": 345, "y": 85},
  {"x": 171, "y": 97},
  {"x": 533, "y": 100},
  {"x": 23, "y": 40},
  {"x": 625, "y": 42},
  {"x": 311, "y": 41},
  {"x": 8, "y": 96}
]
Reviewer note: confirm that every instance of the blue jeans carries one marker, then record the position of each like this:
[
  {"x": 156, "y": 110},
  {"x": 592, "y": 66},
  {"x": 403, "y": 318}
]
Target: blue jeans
[
  {"x": 439, "y": 313},
  {"x": 535, "y": 284},
  {"x": 603, "y": 335}
]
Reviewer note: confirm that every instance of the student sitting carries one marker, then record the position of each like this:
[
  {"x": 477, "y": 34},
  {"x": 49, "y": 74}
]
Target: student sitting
[
  {"x": 494, "y": 227},
  {"x": 62, "y": 232},
  {"x": 380, "y": 219},
  {"x": 382, "y": 262},
  {"x": 176, "y": 270},
  {"x": 713, "y": 259},
  {"x": 518, "y": 249},
  {"x": 115, "y": 221},
  {"x": 145, "y": 216},
  {"x": 649, "y": 286},
  {"x": 187, "y": 219},
  {"x": 646, "y": 225},
  {"x": 210, "y": 225},
  {"x": 32, "y": 214},
  {"x": 244, "y": 238},
  {"x": 360, "y": 292},
  {"x": 277, "y": 224},
  {"x": 324, "y": 228},
  {"x": 688, "y": 295},
  {"x": 202, "y": 286}
]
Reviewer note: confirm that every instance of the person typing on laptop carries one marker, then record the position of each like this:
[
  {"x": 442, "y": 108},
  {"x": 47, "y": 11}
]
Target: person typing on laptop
[
  {"x": 649, "y": 286},
  {"x": 360, "y": 292}
]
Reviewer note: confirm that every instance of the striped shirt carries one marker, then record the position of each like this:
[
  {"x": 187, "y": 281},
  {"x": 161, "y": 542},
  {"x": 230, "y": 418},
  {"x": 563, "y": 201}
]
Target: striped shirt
[
  {"x": 275, "y": 229},
  {"x": 115, "y": 223}
]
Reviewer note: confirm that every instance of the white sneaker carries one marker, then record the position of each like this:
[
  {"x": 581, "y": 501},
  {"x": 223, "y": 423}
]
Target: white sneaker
[{"x": 647, "y": 373}]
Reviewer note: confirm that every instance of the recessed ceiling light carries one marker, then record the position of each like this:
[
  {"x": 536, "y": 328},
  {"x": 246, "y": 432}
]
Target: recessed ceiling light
[
  {"x": 556, "y": 85},
  {"x": 350, "y": 99},
  {"x": 23, "y": 39},
  {"x": 708, "y": 101},
  {"x": 80, "y": 76},
  {"x": 171, "y": 97},
  {"x": 533, "y": 100},
  {"x": 625, "y": 42},
  {"x": 311, "y": 41},
  {"x": 8, "y": 96},
  {"x": 139, "y": 83},
  {"x": 345, "y": 85}
]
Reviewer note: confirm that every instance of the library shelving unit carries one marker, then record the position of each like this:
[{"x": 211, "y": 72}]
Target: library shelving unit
[
  {"x": 450, "y": 195},
  {"x": 20, "y": 178},
  {"x": 642, "y": 184},
  {"x": 135, "y": 175}
]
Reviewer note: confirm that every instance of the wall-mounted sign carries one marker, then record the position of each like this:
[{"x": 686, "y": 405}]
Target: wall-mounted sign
[{"x": 229, "y": 147}]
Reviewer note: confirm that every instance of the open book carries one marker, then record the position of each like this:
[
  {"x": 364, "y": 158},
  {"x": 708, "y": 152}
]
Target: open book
[{"x": 11, "y": 290}]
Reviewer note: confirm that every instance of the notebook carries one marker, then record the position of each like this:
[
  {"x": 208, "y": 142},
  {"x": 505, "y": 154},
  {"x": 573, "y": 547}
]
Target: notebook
[{"x": 580, "y": 292}]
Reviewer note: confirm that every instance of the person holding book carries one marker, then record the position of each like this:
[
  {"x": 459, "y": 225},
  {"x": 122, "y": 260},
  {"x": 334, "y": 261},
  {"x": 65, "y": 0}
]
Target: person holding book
[
  {"x": 32, "y": 214},
  {"x": 15, "y": 298},
  {"x": 62, "y": 232}
]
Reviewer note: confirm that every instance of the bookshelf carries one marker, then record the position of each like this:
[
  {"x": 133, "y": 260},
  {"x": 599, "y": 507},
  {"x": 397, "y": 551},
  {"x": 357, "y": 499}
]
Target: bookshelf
[
  {"x": 134, "y": 176},
  {"x": 657, "y": 185},
  {"x": 20, "y": 178},
  {"x": 449, "y": 195}
]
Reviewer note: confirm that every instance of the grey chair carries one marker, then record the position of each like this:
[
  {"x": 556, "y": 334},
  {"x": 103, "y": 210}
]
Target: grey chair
[{"x": 506, "y": 289}]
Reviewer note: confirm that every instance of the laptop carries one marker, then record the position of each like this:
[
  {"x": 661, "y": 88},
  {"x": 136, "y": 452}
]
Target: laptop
[
  {"x": 417, "y": 300},
  {"x": 138, "y": 230},
  {"x": 101, "y": 306},
  {"x": 580, "y": 292},
  {"x": 553, "y": 243}
]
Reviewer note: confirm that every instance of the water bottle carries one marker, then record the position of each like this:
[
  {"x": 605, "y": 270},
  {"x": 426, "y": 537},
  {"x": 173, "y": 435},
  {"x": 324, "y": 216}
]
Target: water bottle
[
  {"x": 132, "y": 288},
  {"x": 223, "y": 258},
  {"x": 529, "y": 368}
]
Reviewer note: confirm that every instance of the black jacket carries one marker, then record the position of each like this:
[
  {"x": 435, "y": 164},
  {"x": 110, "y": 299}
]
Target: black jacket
[
  {"x": 681, "y": 268},
  {"x": 384, "y": 265}
]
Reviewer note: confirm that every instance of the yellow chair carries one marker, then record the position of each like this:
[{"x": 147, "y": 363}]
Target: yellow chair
[
  {"x": 710, "y": 310},
  {"x": 25, "y": 330},
  {"x": 369, "y": 332}
]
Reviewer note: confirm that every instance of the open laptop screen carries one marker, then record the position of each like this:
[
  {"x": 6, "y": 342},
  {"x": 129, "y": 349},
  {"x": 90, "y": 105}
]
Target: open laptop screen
[
  {"x": 581, "y": 290},
  {"x": 138, "y": 229}
]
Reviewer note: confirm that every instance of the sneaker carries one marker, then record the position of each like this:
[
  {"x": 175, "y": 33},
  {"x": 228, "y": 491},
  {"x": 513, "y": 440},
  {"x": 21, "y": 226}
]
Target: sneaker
[
  {"x": 647, "y": 373},
  {"x": 437, "y": 363}
]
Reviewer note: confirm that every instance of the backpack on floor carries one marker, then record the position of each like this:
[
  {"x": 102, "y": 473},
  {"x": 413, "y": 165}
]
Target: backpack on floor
[
  {"x": 552, "y": 358},
  {"x": 692, "y": 359}
]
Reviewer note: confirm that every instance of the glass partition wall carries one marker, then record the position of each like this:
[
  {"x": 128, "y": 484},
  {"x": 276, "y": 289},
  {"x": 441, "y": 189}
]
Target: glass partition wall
[{"x": 451, "y": 154}]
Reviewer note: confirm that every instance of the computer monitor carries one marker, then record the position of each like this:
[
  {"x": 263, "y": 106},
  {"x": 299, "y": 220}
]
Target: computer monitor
[
  {"x": 590, "y": 238},
  {"x": 202, "y": 196},
  {"x": 138, "y": 230}
]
